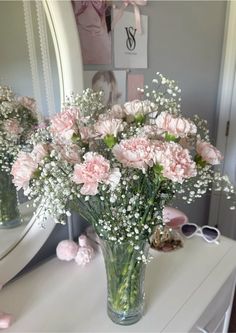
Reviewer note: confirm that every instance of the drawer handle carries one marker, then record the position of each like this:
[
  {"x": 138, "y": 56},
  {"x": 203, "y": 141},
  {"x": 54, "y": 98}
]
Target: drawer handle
[{"x": 202, "y": 330}]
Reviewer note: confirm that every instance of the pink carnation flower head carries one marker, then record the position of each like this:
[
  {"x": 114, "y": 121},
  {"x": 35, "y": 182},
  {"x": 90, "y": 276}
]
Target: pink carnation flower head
[
  {"x": 134, "y": 153},
  {"x": 116, "y": 112},
  {"x": 109, "y": 127},
  {"x": 69, "y": 152},
  {"x": 39, "y": 152},
  {"x": 28, "y": 102},
  {"x": 94, "y": 170},
  {"x": 12, "y": 127},
  {"x": 176, "y": 161},
  {"x": 64, "y": 124},
  {"x": 150, "y": 132},
  {"x": 86, "y": 133},
  {"x": 23, "y": 169},
  {"x": 208, "y": 152},
  {"x": 177, "y": 126},
  {"x": 137, "y": 107}
]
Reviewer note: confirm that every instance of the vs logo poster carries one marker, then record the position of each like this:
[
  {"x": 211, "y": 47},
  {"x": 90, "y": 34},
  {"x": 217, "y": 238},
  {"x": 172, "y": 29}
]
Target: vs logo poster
[{"x": 130, "y": 47}]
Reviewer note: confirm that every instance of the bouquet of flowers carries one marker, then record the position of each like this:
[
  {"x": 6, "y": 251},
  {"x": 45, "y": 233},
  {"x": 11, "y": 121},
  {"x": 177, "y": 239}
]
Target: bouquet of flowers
[
  {"x": 17, "y": 122},
  {"x": 119, "y": 167}
]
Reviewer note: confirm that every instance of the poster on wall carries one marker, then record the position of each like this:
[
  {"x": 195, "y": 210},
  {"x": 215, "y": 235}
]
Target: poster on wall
[
  {"x": 112, "y": 83},
  {"x": 130, "y": 46},
  {"x": 93, "y": 19}
]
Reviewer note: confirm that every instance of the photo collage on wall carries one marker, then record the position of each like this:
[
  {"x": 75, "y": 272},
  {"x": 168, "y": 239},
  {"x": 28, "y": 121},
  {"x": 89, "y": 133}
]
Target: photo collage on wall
[{"x": 111, "y": 39}]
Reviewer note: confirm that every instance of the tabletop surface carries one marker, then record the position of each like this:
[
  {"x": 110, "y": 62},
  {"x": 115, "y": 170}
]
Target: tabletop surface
[{"x": 63, "y": 297}]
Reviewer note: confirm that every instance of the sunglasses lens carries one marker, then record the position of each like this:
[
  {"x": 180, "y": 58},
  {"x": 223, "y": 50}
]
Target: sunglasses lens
[
  {"x": 209, "y": 233},
  {"x": 188, "y": 229}
]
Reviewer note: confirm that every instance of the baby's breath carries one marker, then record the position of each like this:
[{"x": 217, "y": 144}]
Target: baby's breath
[{"x": 123, "y": 197}]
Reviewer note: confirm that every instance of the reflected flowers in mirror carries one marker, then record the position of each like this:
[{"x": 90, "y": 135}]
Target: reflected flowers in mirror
[{"x": 18, "y": 120}]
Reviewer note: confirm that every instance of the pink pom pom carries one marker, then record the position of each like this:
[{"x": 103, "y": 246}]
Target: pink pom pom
[
  {"x": 67, "y": 250},
  {"x": 84, "y": 255},
  {"x": 93, "y": 239},
  {"x": 83, "y": 241},
  {"x": 5, "y": 320}
]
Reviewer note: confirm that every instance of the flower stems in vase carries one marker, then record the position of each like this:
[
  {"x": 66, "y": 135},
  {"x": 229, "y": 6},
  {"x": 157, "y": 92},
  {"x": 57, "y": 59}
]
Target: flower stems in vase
[
  {"x": 125, "y": 270},
  {"x": 9, "y": 212}
]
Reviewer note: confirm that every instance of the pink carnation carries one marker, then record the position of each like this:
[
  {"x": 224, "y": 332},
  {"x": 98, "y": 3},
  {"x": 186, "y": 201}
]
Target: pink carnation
[
  {"x": 208, "y": 152},
  {"x": 134, "y": 153},
  {"x": 23, "y": 169},
  {"x": 70, "y": 153},
  {"x": 136, "y": 107},
  {"x": 116, "y": 112},
  {"x": 150, "y": 132},
  {"x": 39, "y": 152},
  {"x": 64, "y": 124},
  {"x": 176, "y": 161},
  {"x": 177, "y": 126},
  {"x": 109, "y": 127},
  {"x": 28, "y": 102},
  {"x": 12, "y": 127},
  {"x": 94, "y": 170},
  {"x": 86, "y": 133}
]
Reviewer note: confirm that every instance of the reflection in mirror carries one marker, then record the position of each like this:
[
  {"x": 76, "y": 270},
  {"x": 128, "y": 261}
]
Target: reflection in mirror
[{"x": 28, "y": 67}]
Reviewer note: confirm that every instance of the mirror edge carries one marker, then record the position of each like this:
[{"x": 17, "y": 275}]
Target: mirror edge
[
  {"x": 67, "y": 47},
  {"x": 69, "y": 62}
]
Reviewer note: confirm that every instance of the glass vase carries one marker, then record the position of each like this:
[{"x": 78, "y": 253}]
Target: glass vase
[
  {"x": 125, "y": 273},
  {"x": 9, "y": 211}
]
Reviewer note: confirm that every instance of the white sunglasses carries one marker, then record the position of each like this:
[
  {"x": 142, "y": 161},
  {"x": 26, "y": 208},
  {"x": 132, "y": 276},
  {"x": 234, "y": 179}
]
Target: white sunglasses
[{"x": 209, "y": 234}]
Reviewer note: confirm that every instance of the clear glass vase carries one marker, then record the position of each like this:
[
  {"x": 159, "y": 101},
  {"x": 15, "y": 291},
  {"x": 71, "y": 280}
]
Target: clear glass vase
[
  {"x": 9, "y": 211},
  {"x": 125, "y": 280}
]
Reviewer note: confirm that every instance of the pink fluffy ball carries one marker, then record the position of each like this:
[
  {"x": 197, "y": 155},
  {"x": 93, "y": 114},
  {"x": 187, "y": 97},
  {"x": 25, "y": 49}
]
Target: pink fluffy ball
[
  {"x": 67, "y": 250},
  {"x": 84, "y": 255}
]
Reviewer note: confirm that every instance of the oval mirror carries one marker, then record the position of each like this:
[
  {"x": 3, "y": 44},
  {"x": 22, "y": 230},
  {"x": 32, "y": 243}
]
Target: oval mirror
[{"x": 36, "y": 60}]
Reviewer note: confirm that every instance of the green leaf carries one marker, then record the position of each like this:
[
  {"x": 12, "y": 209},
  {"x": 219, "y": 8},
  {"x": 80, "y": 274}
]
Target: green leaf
[
  {"x": 75, "y": 138},
  {"x": 139, "y": 118},
  {"x": 169, "y": 137},
  {"x": 199, "y": 161},
  {"x": 110, "y": 140}
]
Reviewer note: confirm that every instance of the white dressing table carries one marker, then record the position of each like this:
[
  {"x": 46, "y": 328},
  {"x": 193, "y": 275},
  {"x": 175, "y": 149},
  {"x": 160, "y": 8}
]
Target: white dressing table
[{"x": 189, "y": 290}]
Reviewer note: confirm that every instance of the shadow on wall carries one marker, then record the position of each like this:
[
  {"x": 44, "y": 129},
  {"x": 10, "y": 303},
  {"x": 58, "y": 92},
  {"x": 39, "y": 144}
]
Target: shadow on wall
[{"x": 197, "y": 211}]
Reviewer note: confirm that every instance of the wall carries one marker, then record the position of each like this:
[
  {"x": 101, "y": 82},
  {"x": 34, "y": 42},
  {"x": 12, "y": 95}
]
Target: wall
[{"x": 185, "y": 44}]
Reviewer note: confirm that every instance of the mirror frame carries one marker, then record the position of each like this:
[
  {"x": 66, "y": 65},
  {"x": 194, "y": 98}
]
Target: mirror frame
[{"x": 60, "y": 17}]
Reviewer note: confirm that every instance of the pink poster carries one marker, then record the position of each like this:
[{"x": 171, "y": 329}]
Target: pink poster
[
  {"x": 135, "y": 81},
  {"x": 93, "y": 19}
]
